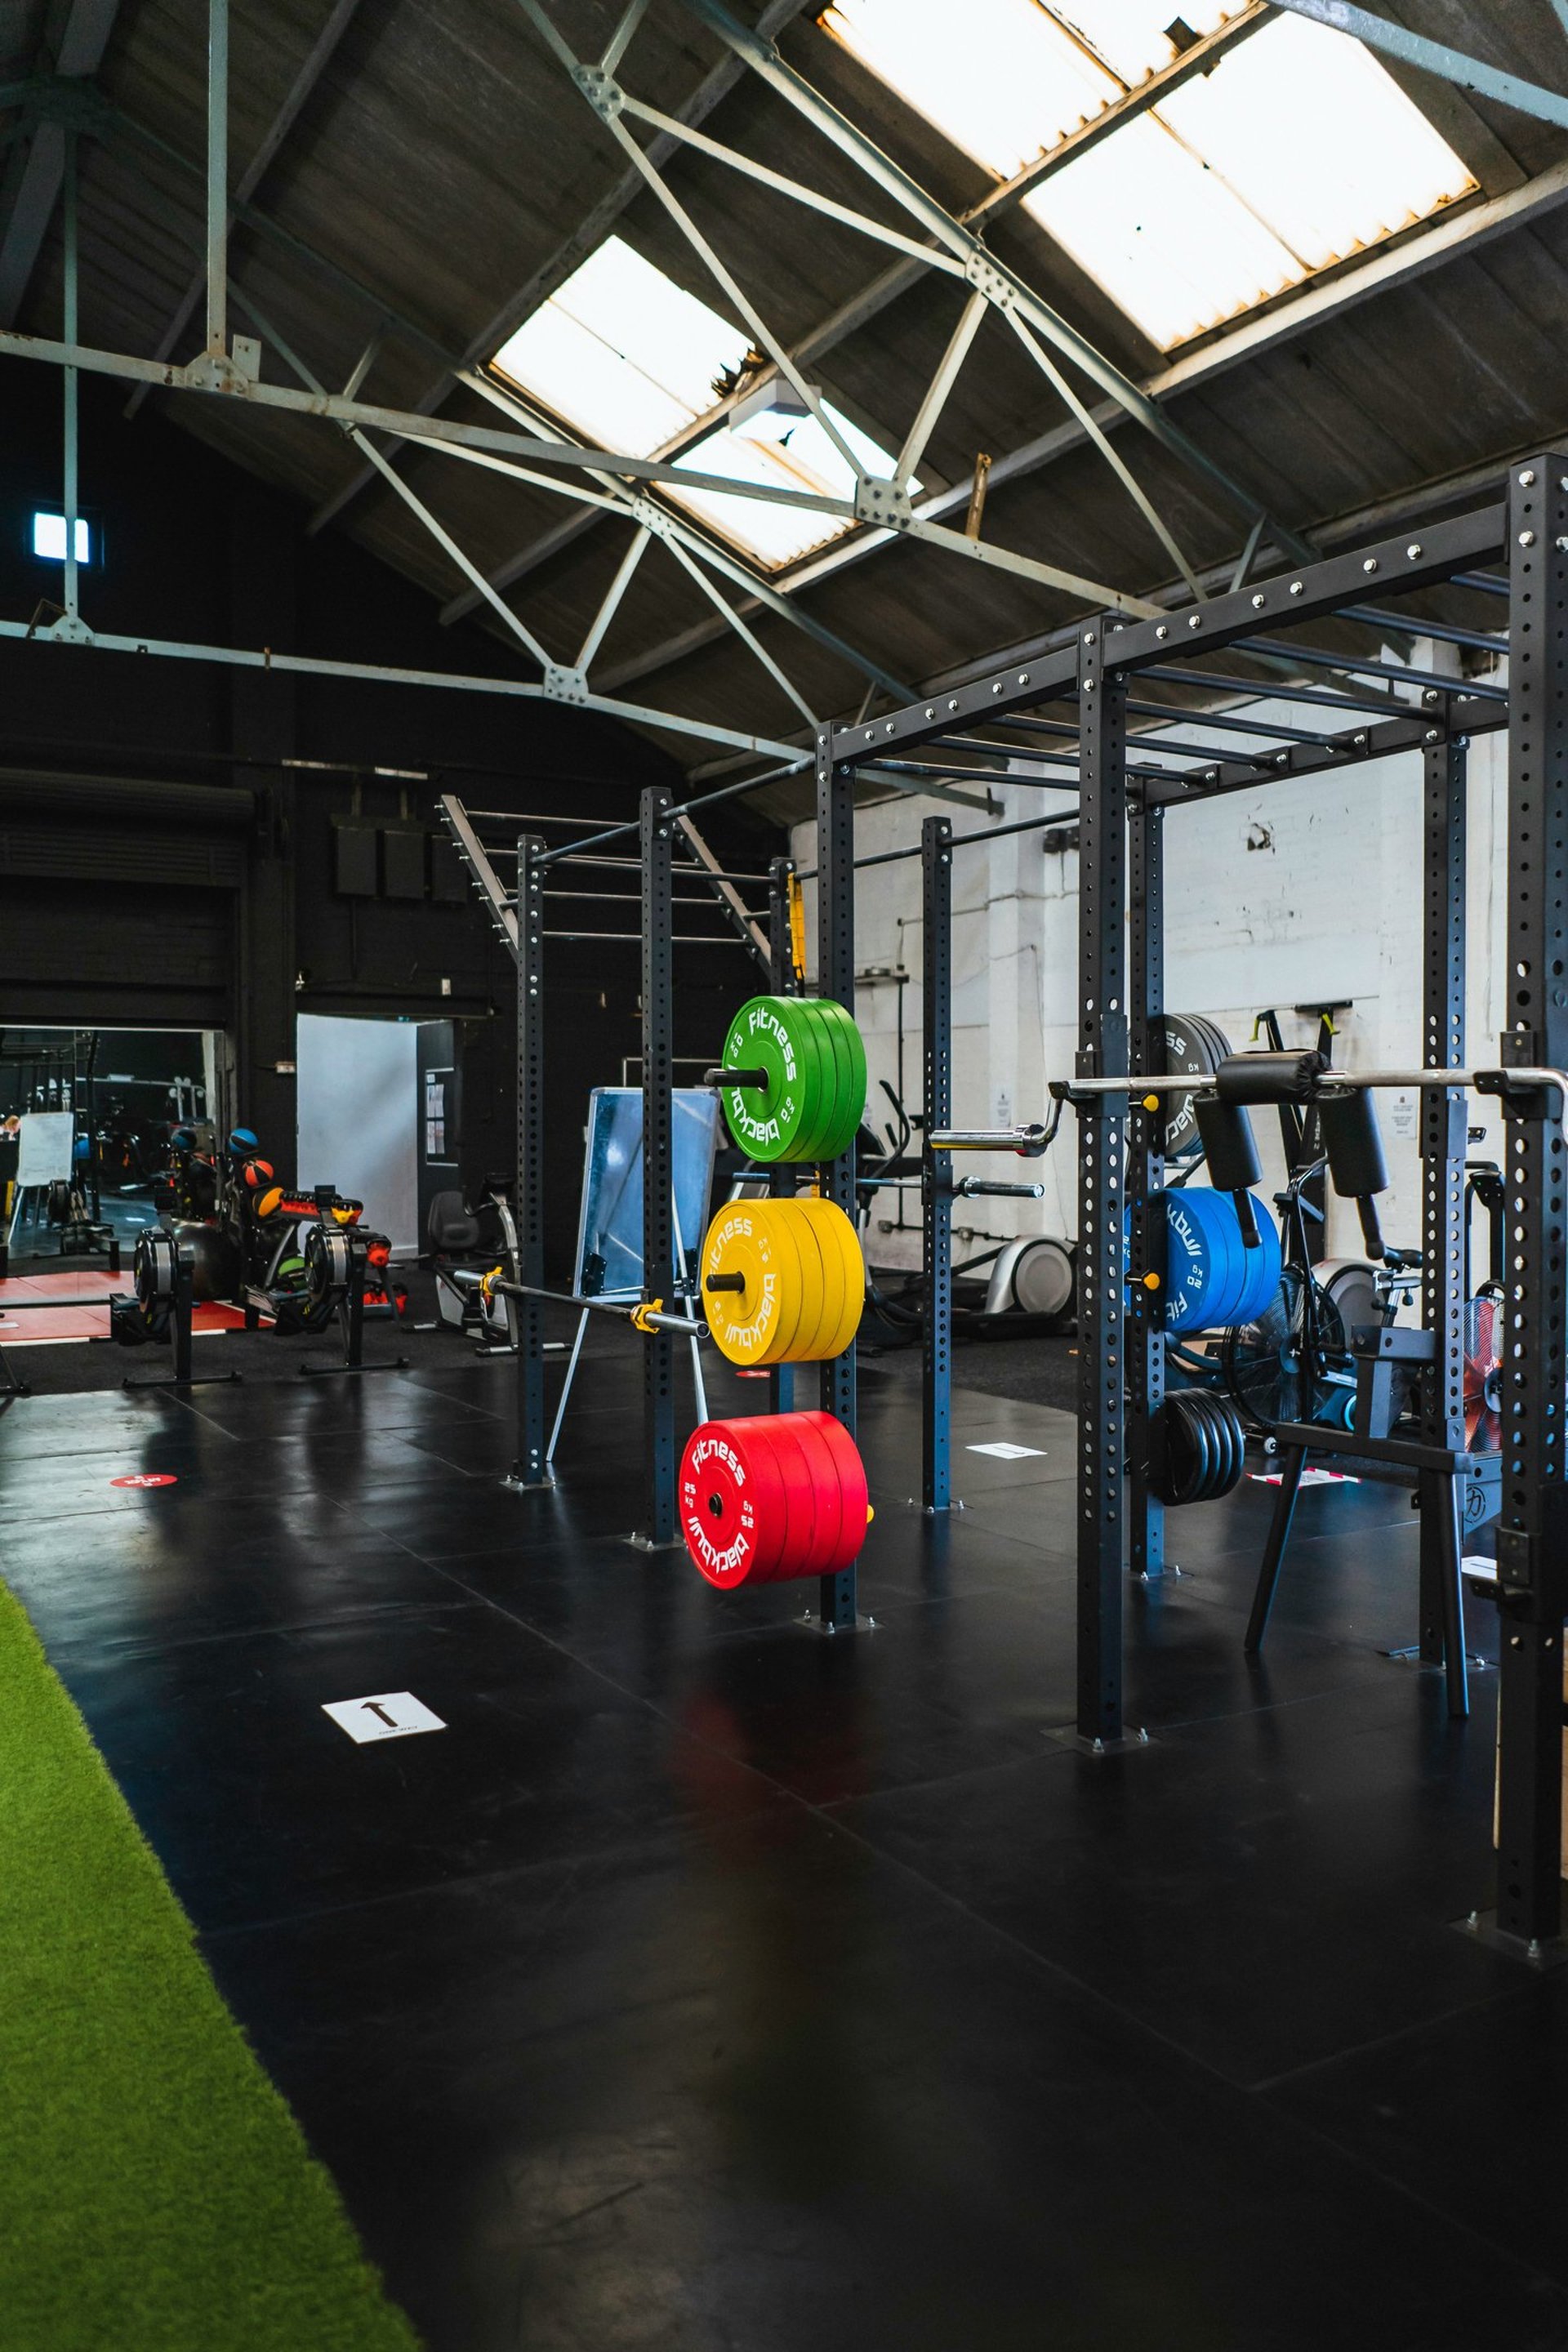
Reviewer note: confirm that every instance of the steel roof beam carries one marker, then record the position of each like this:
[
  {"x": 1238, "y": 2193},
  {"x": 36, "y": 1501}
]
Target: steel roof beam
[
  {"x": 849, "y": 317},
  {"x": 283, "y": 122},
  {"x": 79, "y": 54},
  {"x": 1279, "y": 324},
  {"x": 575, "y": 249},
  {"x": 1002, "y": 286},
  {"x": 1434, "y": 57}
]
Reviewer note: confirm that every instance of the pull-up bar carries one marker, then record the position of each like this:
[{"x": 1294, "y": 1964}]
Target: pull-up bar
[
  {"x": 1315, "y": 658},
  {"x": 681, "y": 808}
]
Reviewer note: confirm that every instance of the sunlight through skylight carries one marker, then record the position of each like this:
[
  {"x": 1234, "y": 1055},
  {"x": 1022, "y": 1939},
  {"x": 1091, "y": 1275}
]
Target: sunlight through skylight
[
  {"x": 628, "y": 360},
  {"x": 622, "y": 353},
  {"x": 785, "y": 452},
  {"x": 1296, "y": 150}
]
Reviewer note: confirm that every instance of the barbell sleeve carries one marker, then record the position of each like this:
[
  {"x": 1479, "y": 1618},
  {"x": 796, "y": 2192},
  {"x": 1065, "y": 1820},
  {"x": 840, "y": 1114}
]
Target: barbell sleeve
[
  {"x": 722, "y": 1078},
  {"x": 724, "y": 1282},
  {"x": 974, "y": 1188},
  {"x": 1028, "y": 1142}
]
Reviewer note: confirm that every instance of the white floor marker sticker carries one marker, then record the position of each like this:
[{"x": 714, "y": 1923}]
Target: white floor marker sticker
[
  {"x": 1005, "y": 1453},
  {"x": 392, "y": 1714}
]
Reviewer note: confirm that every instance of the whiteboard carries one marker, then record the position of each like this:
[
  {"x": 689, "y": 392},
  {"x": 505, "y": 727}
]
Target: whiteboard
[
  {"x": 357, "y": 1118},
  {"x": 46, "y": 1137},
  {"x": 609, "y": 1261}
]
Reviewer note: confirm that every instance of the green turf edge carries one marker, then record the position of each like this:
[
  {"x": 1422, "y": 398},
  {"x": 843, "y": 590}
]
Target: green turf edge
[{"x": 156, "y": 2194}]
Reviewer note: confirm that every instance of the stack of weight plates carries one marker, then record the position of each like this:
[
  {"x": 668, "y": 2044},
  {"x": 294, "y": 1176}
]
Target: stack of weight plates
[
  {"x": 1193, "y": 1048},
  {"x": 1197, "y": 1447},
  {"x": 815, "y": 1097},
  {"x": 778, "y": 1495},
  {"x": 1212, "y": 1278},
  {"x": 803, "y": 1282}
]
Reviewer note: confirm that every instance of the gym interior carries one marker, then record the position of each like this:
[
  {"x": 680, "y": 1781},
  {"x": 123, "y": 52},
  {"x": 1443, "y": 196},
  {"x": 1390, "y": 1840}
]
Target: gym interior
[{"x": 783, "y": 1052}]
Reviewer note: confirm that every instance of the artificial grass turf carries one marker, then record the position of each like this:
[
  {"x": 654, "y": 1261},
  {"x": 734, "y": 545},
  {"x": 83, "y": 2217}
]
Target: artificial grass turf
[{"x": 156, "y": 2194}]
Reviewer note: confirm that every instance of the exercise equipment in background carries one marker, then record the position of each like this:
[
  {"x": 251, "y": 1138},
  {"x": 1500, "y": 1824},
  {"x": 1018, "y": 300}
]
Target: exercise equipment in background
[
  {"x": 466, "y": 1243},
  {"x": 159, "y": 1309},
  {"x": 1191, "y": 1048},
  {"x": 772, "y": 1497},
  {"x": 1212, "y": 1273},
  {"x": 1035, "y": 1277},
  {"x": 609, "y": 1269}
]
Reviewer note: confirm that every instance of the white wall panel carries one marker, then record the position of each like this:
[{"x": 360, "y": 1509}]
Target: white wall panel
[
  {"x": 1290, "y": 895},
  {"x": 358, "y": 1097}
]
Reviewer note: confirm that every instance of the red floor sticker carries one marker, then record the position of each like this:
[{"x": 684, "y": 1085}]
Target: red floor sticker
[{"x": 147, "y": 1478}]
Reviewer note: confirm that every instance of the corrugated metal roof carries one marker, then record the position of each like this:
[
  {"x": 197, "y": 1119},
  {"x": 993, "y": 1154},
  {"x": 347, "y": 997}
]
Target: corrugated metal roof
[{"x": 443, "y": 158}]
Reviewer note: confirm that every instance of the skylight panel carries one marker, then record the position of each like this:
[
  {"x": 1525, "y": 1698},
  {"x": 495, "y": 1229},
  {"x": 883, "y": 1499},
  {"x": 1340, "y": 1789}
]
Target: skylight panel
[
  {"x": 1312, "y": 133},
  {"x": 1133, "y": 36},
  {"x": 624, "y": 354},
  {"x": 1296, "y": 149},
  {"x": 628, "y": 360},
  {"x": 1001, "y": 78},
  {"x": 785, "y": 452},
  {"x": 1164, "y": 237}
]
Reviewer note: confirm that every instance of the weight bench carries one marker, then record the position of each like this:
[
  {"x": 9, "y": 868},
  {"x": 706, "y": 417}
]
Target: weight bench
[{"x": 1453, "y": 1490}]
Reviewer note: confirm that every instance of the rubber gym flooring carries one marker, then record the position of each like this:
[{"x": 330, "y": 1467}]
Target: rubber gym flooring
[{"x": 706, "y": 1986}]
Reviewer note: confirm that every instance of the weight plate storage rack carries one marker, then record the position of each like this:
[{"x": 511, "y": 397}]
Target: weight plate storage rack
[{"x": 797, "y": 1106}]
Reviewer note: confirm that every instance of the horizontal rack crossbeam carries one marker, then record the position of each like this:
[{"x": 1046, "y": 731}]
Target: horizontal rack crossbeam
[{"x": 1316, "y": 591}]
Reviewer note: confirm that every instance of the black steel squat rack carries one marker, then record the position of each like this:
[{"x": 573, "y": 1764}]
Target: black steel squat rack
[{"x": 1121, "y": 811}]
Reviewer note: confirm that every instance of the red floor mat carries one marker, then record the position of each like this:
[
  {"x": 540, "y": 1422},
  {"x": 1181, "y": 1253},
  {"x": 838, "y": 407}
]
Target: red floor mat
[{"x": 91, "y": 1322}]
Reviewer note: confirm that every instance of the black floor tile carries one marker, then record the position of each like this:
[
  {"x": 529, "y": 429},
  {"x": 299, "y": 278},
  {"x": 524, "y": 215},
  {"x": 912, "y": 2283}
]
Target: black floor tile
[
  {"x": 617, "y": 2042},
  {"x": 179, "y": 1566},
  {"x": 755, "y": 2087},
  {"x": 1466, "y": 2113},
  {"x": 1267, "y": 1888},
  {"x": 45, "y": 1426},
  {"x": 1361, "y": 1585},
  {"x": 278, "y": 1409},
  {"x": 958, "y": 1675},
  {"x": 219, "y": 1465},
  {"x": 260, "y": 1806}
]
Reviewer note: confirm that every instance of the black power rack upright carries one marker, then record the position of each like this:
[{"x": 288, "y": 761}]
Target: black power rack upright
[{"x": 1122, "y": 798}]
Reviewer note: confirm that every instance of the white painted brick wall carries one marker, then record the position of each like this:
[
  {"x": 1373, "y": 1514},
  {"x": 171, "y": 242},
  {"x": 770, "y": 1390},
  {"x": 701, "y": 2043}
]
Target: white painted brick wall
[{"x": 1326, "y": 903}]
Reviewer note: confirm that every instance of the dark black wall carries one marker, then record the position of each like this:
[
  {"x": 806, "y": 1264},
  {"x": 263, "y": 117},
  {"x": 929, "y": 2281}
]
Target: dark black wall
[{"x": 123, "y": 900}]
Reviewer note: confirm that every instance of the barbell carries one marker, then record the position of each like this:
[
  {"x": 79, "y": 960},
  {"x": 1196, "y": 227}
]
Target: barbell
[{"x": 773, "y": 1496}]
